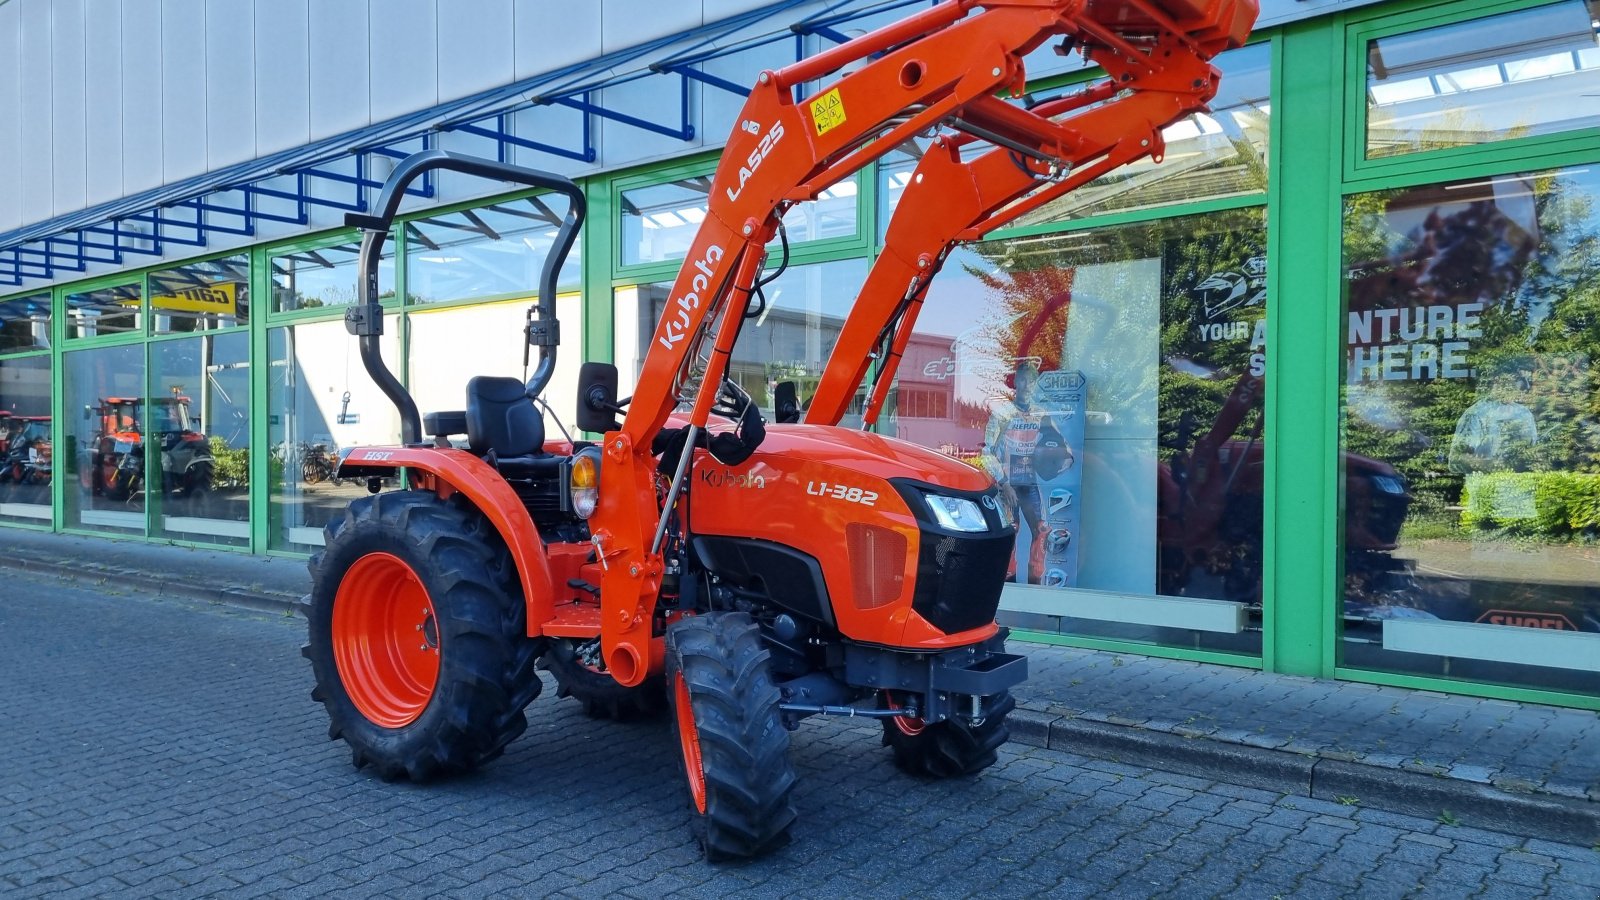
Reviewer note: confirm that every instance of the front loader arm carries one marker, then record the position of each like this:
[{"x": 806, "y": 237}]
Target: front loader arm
[
  {"x": 948, "y": 200},
  {"x": 939, "y": 68}
]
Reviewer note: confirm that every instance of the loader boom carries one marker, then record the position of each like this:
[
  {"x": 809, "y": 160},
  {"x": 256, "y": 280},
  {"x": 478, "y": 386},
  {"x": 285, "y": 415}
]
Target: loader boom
[{"x": 939, "y": 71}]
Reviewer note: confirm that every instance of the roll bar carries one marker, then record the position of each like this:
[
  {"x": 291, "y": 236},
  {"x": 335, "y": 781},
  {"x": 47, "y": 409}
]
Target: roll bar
[{"x": 365, "y": 319}]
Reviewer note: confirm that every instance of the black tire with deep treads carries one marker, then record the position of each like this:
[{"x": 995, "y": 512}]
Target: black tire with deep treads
[
  {"x": 951, "y": 748},
  {"x": 743, "y": 744},
  {"x": 487, "y": 662},
  {"x": 601, "y": 695}
]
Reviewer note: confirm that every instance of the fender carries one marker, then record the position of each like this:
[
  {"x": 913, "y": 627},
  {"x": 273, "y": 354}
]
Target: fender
[{"x": 462, "y": 472}]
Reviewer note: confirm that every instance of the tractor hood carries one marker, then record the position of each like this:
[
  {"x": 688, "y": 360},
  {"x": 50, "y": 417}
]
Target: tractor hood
[{"x": 870, "y": 454}]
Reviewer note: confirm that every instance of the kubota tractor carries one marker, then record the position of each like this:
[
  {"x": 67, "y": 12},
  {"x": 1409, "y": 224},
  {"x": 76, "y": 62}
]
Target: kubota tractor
[{"x": 744, "y": 574}]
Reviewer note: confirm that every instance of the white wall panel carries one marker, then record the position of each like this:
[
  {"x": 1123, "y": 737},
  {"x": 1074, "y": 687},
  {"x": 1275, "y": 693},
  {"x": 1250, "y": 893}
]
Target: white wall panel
[
  {"x": 66, "y": 106},
  {"x": 282, "y": 75},
  {"x": 630, "y": 22},
  {"x": 183, "y": 89},
  {"x": 339, "y": 76},
  {"x": 230, "y": 83},
  {"x": 38, "y": 158},
  {"x": 552, "y": 34},
  {"x": 405, "y": 51},
  {"x": 716, "y": 10},
  {"x": 141, "y": 95},
  {"x": 10, "y": 115},
  {"x": 102, "y": 89},
  {"x": 477, "y": 47}
]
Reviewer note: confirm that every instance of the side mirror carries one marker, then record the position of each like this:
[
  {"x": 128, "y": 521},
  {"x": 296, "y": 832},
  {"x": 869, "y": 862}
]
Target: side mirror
[
  {"x": 597, "y": 397},
  {"x": 786, "y": 402}
]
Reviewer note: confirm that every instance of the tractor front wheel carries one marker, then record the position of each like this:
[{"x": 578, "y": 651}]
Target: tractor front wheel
[
  {"x": 418, "y": 636},
  {"x": 735, "y": 748},
  {"x": 949, "y": 748},
  {"x": 573, "y": 664}
]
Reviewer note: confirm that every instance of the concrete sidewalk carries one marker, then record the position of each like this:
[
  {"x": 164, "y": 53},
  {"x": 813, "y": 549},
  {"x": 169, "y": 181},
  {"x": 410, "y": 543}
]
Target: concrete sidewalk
[{"x": 1514, "y": 767}]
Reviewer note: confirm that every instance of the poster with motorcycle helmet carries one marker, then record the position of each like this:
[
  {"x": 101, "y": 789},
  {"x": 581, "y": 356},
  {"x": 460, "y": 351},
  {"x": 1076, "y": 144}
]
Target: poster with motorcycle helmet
[{"x": 1048, "y": 537}]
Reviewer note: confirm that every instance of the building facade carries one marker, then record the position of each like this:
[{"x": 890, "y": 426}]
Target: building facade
[{"x": 1317, "y": 393}]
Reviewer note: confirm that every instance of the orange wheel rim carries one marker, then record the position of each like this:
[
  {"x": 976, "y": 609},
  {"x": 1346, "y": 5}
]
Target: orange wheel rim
[
  {"x": 385, "y": 640},
  {"x": 910, "y": 726},
  {"x": 689, "y": 737}
]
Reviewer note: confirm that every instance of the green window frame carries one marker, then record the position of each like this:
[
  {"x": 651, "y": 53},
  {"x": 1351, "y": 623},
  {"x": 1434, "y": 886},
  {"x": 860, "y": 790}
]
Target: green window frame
[{"x": 1388, "y": 20}]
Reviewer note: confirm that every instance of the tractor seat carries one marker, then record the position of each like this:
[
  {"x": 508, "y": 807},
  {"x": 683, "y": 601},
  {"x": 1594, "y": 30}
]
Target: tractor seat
[{"x": 502, "y": 420}]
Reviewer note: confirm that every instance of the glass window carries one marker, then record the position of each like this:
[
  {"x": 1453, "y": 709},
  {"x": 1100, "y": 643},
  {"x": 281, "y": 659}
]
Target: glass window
[
  {"x": 27, "y": 441},
  {"x": 1210, "y": 155},
  {"x": 320, "y": 400},
  {"x": 1112, "y": 382},
  {"x": 659, "y": 221},
  {"x": 112, "y": 310},
  {"x": 25, "y": 324},
  {"x": 491, "y": 251},
  {"x": 787, "y": 341},
  {"x": 199, "y": 425},
  {"x": 1471, "y": 430},
  {"x": 1514, "y": 75},
  {"x": 103, "y": 444},
  {"x": 440, "y": 371},
  {"x": 309, "y": 279},
  {"x": 201, "y": 296}
]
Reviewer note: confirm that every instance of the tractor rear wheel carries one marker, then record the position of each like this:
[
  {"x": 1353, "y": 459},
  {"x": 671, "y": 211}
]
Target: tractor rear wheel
[
  {"x": 418, "y": 636},
  {"x": 602, "y": 697},
  {"x": 735, "y": 748},
  {"x": 950, "y": 748}
]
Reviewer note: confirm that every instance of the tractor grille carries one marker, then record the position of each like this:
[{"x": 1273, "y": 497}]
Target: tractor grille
[
  {"x": 877, "y": 564},
  {"x": 959, "y": 579}
]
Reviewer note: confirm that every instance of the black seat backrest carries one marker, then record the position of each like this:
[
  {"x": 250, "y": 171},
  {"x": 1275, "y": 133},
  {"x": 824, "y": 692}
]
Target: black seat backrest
[{"x": 500, "y": 417}]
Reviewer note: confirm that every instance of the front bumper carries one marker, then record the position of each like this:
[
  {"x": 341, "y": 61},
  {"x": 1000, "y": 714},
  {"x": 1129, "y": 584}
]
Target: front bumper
[{"x": 965, "y": 681}]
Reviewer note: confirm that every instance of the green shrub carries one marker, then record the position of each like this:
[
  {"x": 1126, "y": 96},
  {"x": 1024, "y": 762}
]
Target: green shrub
[{"x": 1552, "y": 504}]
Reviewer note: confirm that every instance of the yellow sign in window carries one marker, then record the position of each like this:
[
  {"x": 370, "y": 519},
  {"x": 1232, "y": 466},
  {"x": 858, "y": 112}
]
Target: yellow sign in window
[
  {"x": 220, "y": 299},
  {"x": 827, "y": 112}
]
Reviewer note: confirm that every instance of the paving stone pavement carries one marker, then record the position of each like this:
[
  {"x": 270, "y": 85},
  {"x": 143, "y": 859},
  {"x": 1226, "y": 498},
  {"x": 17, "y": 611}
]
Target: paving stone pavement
[{"x": 163, "y": 747}]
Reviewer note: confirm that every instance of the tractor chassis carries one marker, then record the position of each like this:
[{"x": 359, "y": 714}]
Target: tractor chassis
[{"x": 964, "y": 682}]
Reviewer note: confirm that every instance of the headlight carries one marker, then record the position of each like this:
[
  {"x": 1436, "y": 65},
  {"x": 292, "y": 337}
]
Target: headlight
[
  {"x": 584, "y": 484},
  {"x": 956, "y": 513}
]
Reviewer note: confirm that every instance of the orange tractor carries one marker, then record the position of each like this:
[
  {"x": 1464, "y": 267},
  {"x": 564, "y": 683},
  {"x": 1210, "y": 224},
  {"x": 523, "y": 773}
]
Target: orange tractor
[{"x": 743, "y": 574}]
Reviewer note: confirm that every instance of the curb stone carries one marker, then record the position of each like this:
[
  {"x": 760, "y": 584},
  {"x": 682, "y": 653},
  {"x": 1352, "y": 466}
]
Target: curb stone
[
  {"x": 232, "y": 595},
  {"x": 1540, "y": 814}
]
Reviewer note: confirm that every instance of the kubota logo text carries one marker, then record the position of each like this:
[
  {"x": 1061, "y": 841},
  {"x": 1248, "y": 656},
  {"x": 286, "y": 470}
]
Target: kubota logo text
[
  {"x": 756, "y": 157},
  {"x": 678, "y": 315}
]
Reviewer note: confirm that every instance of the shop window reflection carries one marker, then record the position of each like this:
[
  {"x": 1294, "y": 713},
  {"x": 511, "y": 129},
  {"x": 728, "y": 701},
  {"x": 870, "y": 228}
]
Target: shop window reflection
[
  {"x": 109, "y": 310},
  {"x": 27, "y": 440},
  {"x": 1515, "y": 75},
  {"x": 1472, "y": 416},
  {"x": 322, "y": 401},
  {"x": 325, "y": 276},
  {"x": 787, "y": 339},
  {"x": 489, "y": 251},
  {"x": 199, "y": 425},
  {"x": 659, "y": 221},
  {"x": 25, "y": 324},
  {"x": 1112, "y": 382},
  {"x": 101, "y": 445},
  {"x": 202, "y": 296}
]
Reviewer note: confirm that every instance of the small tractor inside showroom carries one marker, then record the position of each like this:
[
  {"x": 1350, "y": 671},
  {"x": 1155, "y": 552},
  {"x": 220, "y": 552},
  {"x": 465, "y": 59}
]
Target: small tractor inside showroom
[{"x": 694, "y": 557}]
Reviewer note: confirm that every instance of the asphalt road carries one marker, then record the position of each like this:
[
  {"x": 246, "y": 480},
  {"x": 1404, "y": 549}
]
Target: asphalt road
[{"x": 166, "y": 748}]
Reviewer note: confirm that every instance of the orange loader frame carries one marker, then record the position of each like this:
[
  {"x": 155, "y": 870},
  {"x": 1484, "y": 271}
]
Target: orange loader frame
[{"x": 943, "y": 71}]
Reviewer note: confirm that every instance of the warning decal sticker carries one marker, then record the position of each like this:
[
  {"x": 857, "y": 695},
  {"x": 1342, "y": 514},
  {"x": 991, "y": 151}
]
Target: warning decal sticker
[{"x": 827, "y": 112}]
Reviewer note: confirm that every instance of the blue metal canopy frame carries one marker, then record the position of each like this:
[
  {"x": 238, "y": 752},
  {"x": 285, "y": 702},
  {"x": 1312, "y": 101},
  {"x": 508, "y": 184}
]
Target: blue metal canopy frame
[{"x": 339, "y": 172}]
